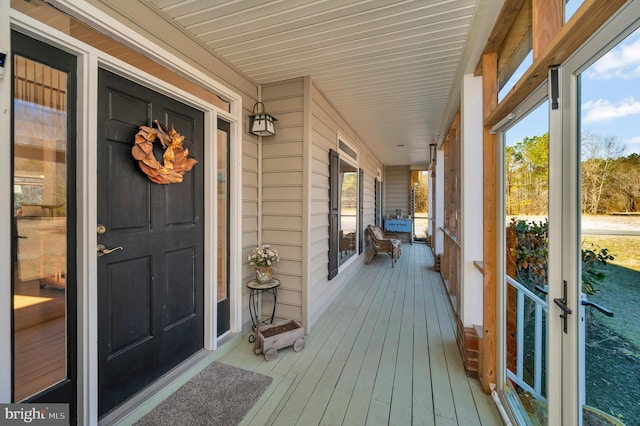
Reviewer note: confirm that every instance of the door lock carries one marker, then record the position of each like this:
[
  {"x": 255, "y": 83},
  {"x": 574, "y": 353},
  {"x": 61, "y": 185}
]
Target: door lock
[
  {"x": 562, "y": 304},
  {"x": 102, "y": 250}
]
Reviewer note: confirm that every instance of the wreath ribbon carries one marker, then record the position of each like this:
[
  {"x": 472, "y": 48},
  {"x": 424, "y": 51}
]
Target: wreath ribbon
[{"x": 175, "y": 161}]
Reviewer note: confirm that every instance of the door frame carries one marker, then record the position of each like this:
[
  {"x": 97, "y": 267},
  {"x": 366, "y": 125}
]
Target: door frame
[
  {"x": 89, "y": 59},
  {"x": 565, "y": 365},
  {"x": 554, "y": 267},
  {"x": 623, "y": 23}
]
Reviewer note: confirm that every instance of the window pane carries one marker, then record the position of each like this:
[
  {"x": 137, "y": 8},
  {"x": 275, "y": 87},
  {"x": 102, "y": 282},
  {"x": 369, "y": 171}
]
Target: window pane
[
  {"x": 610, "y": 237},
  {"x": 223, "y": 215},
  {"x": 40, "y": 221},
  {"x": 526, "y": 178},
  {"x": 570, "y": 8},
  {"x": 348, "y": 210}
]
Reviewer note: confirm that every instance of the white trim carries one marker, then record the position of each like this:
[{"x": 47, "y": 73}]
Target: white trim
[
  {"x": 89, "y": 59},
  {"x": 5, "y": 215},
  {"x": 235, "y": 233},
  {"x": 558, "y": 345},
  {"x": 210, "y": 232},
  {"x": 341, "y": 137},
  {"x": 87, "y": 181},
  {"x": 307, "y": 204}
]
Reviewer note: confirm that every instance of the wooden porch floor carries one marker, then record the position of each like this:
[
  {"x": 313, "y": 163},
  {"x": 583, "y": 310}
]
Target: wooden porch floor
[{"x": 384, "y": 353}]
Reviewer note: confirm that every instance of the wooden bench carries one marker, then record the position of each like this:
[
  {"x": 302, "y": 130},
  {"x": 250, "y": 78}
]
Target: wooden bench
[{"x": 384, "y": 243}]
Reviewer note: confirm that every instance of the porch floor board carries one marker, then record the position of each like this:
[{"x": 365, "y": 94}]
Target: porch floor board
[{"x": 384, "y": 353}]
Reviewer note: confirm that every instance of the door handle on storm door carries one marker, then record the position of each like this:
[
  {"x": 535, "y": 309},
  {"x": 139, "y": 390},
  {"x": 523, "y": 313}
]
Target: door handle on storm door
[
  {"x": 562, "y": 304},
  {"x": 102, "y": 250},
  {"x": 601, "y": 308}
]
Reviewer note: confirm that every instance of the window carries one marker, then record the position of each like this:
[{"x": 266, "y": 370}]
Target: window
[
  {"x": 348, "y": 211},
  {"x": 345, "y": 214}
]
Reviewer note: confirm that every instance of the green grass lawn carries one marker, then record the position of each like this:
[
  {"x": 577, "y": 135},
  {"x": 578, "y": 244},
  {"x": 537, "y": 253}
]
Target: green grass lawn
[
  {"x": 620, "y": 289},
  {"x": 613, "y": 343}
]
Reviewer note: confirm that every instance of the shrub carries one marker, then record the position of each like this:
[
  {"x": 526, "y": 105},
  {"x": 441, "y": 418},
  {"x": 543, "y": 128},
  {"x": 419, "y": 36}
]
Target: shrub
[{"x": 531, "y": 252}]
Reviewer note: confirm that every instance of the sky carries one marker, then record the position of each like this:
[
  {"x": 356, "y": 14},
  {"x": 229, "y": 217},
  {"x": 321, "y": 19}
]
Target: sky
[{"x": 610, "y": 97}]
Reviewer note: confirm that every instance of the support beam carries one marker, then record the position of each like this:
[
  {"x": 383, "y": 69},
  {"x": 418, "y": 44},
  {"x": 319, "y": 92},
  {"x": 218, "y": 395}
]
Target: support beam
[
  {"x": 582, "y": 25},
  {"x": 488, "y": 365},
  {"x": 507, "y": 17},
  {"x": 547, "y": 19}
]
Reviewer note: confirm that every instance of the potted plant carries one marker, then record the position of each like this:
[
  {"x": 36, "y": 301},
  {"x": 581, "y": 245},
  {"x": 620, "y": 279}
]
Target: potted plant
[{"x": 264, "y": 258}]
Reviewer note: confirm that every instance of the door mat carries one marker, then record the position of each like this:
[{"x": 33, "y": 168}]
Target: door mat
[{"x": 219, "y": 395}]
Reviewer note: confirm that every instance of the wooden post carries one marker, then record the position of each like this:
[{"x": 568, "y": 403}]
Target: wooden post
[
  {"x": 488, "y": 364},
  {"x": 547, "y": 19}
]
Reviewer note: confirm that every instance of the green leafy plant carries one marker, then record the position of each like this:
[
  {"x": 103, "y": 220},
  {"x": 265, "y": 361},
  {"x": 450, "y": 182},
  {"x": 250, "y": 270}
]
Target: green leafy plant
[
  {"x": 592, "y": 256},
  {"x": 531, "y": 253}
]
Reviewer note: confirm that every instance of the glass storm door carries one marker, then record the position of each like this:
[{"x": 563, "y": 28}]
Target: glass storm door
[
  {"x": 43, "y": 235},
  {"x": 526, "y": 354},
  {"x": 607, "y": 242}
]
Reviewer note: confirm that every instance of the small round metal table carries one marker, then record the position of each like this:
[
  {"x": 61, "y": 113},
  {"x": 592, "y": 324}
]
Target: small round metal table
[{"x": 254, "y": 301}]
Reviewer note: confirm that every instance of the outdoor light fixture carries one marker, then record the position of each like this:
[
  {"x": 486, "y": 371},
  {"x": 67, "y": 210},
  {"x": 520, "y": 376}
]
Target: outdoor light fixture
[{"x": 261, "y": 123}]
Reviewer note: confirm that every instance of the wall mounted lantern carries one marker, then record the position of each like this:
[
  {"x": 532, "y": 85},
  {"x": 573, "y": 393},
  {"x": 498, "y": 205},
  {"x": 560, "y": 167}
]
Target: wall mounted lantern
[{"x": 261, "y": 123}]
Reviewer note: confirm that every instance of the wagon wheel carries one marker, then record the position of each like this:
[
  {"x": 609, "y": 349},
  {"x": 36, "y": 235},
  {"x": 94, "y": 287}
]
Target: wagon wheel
[
  {"x": 298, "y": 345},
  {"x": 271, "y": 354}
]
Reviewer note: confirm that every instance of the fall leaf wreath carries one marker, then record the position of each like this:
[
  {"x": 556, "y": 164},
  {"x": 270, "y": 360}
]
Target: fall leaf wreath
[{"x": 175, "y": 159}]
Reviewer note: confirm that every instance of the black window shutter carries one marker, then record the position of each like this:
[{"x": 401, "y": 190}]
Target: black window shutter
[
  {"x": 334, "y": 211},
  {"x": 360, "y": 210},
  {"x": 376, "y": 194}
]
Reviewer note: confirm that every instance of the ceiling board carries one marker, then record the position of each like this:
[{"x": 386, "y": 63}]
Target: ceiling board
[{"x": 389, "y": 67}]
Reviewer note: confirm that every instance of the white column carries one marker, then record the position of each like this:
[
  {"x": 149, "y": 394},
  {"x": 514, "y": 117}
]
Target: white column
[
  {"x": 432, "y": 211},
  {"x": 471, "y": 186},
  {"x": 439, "y": 195}
]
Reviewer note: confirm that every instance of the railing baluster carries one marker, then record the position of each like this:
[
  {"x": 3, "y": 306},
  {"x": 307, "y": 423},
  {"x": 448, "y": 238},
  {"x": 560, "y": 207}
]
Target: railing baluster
[
  {"x": 537, "y": 378},
  {"x": 541, "y": 307},
  {"x": 520, "y": 335}
]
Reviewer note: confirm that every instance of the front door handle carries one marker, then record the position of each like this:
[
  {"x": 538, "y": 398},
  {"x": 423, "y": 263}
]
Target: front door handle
[
  {"x": 102, "y": 250},
  {"x": 562, "y": 304}
]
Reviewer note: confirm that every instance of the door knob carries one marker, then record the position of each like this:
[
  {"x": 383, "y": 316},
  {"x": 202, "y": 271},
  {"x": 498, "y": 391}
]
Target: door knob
[{"x": 102, "y": 250}]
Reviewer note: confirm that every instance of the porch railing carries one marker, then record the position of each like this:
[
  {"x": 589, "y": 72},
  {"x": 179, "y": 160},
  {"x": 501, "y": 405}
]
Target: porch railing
[{"x": 524, "y": 317}]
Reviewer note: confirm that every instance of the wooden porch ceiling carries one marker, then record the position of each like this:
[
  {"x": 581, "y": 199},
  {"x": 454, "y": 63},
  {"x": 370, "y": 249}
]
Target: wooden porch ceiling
[
  {"x": 384, "y": 353},
  {"x": 392, "y": 68}
]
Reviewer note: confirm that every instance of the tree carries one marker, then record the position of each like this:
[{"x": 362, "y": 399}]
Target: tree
[
  {"x": 527, "y": 175},
  {"x": 626, "y": 188},
  {"x": 421, "y": 192},
  {"x": 598, "y": 155}
]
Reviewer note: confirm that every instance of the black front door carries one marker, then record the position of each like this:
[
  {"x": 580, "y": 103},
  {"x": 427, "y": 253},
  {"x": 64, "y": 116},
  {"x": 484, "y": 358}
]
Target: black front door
[{"x": 150, "y": 292}]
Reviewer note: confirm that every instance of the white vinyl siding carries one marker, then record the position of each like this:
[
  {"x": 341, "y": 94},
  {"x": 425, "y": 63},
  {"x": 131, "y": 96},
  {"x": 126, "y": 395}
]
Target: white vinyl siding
[
  {"x": 326, "y": 123},
  {"x": 397, "y": 187},
  {"x": 283, "y": 193}
]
